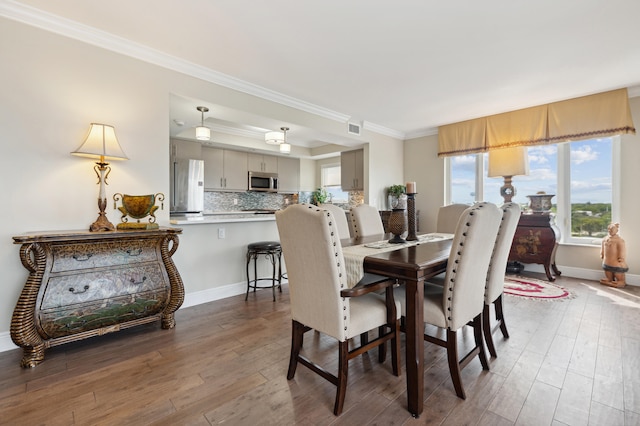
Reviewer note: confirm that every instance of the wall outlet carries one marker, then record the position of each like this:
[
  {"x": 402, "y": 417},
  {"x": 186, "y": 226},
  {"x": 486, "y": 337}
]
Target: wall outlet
[
  {"x": 221, "y": 233},
  {"x": 235, "y": 201}
]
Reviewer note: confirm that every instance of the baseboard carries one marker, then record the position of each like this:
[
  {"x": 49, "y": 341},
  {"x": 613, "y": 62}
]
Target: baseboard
[
  {"x": 583, "y": 274},
  {"x": 190, "y": 299}
]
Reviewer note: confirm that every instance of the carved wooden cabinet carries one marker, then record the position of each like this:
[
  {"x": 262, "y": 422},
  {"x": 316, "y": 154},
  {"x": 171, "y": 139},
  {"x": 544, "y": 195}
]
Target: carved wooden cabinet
[
  {"x": 83, "y": 284},
  {"x": 535, "y": 241}
]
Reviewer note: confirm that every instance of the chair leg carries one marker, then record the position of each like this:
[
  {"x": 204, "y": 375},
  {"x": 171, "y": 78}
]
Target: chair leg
[
  {"x": 273, "y": 275},
  {"x": 500, "y": 316},
  {"x": 486, "y": 328},
  {"x": 454, "y": 366},
  {"x": 364, "y": 338},
  {"x": 395, "y": 352},
  {"x": 382, "y": 349},
  {"x": 248, "y": 278},
  {"x": 343, "y": 372},
  {"x": 297, "y": 332},
  {"x": 477, "y": 333}
]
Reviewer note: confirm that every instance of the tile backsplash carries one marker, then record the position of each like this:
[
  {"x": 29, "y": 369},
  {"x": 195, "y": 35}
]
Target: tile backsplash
[{"x": 215, "y": 201}]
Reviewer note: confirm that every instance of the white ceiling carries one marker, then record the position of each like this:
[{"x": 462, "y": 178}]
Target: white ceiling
[{"x": 402, "y": 68}]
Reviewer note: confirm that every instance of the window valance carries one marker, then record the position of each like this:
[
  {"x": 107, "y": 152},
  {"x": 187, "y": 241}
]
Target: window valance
[{"x": 600, "y": 115}]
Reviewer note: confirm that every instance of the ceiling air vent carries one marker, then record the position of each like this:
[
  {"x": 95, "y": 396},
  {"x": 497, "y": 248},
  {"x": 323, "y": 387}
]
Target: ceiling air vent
[{"x": 354, "y": 128}]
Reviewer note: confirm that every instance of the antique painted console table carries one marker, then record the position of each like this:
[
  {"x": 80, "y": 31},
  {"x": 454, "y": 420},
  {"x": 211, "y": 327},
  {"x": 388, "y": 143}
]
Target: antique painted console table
[{"x": 83, "y": 284}]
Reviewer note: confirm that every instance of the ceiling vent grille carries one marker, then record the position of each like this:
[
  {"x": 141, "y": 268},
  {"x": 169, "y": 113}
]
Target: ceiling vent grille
[{"x": 354, "y": 128}]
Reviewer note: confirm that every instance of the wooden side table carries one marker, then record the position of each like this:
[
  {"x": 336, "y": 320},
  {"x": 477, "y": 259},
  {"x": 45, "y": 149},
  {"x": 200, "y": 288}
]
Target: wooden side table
[
  {"x": 83, "y": 284},
  {"x": 535, "y": 241}
]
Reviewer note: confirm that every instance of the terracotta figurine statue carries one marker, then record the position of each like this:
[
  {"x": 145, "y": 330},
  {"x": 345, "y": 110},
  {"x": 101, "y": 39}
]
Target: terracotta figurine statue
[{"x": 613, "y": 254}]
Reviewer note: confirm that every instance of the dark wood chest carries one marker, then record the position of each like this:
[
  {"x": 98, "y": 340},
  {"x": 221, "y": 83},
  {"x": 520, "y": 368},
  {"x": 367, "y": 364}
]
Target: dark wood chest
[{"x": 535, "y": 241}]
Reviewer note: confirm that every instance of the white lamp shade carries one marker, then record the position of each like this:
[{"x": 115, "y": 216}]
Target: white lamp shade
[
  {"x": 508, "y": 162},
  {"x": 285, "y": 148},
  {"x": 274, "y": 138},
  {"x": 203, "y": 133},
  {"x": 101, "y": 142}
]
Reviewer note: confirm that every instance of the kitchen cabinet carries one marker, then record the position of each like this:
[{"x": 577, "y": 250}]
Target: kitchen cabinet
[
  {"x": 535, "y": 241},
  {"x": 185, "y": 149},
  {"x": 224, "y": 170},
  {"x": 83, "y": 284},
  {"x": 288, "y": 175},
  {"x": 352, "y": 170},
  {"x": 262, "y": 163}
]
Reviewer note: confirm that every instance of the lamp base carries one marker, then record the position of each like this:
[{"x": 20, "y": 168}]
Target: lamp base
[{"x": 102, "y": 223}]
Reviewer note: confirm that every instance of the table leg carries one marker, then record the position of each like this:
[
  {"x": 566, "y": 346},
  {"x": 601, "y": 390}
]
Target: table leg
[{"x": 415, "y": 345}]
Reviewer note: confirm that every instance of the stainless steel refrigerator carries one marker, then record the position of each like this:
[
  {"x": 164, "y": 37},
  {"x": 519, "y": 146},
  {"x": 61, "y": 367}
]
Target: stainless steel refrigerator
[{"x": 187, "y": 186}]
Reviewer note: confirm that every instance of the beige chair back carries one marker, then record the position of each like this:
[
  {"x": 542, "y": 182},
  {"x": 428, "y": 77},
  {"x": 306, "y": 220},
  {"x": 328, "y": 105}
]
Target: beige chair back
[
  {"x": 448, "y": 217},
  {"x": 466, "y": 276},
  {"x": 340, "y": 215},
  {"x": 498, "y": 265},
  {"x": 366, "y": 221},
  {"x": 315, "y": 266}
]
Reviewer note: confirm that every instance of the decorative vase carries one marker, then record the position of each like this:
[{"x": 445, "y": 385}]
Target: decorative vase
[
  {"x": 397, "y": 225},
  {"x": 397, "y": 201},
  {"x": 540, "y": 202}
]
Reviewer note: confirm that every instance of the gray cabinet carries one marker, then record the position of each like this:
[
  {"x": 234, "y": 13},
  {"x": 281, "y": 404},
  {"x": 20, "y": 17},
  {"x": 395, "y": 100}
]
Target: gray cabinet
[
  {"x": 185, "y": 149},
  {"x": 352, "y": 170},
  {"x": 262, "y": 163},
  {"x": 288, "y": 175},
  {"x": 224, "y": 170}
]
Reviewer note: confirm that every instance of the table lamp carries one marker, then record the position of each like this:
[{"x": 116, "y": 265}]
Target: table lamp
[
  {"x": 508, "y": 162},
  {"x": 101, "y": 144}
]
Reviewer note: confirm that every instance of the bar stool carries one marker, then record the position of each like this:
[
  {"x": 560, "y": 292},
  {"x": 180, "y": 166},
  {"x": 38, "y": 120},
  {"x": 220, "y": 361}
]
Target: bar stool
[{"x": 272, "y": 251}]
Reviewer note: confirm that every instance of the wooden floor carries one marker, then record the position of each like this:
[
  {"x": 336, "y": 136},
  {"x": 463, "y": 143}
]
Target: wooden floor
[{"x": 575, "y": 362}]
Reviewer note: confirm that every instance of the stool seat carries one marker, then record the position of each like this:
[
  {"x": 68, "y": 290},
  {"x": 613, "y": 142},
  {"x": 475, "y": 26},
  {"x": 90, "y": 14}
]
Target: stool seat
[
  {"x": 264, "y": 245},
  {"x": 272, "y": 251}
]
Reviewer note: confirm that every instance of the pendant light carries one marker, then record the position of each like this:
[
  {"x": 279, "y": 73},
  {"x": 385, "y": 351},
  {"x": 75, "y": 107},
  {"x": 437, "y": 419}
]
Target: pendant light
[
  {"x": 203, "y": 133},
  {"x": 285, "y": 148}
]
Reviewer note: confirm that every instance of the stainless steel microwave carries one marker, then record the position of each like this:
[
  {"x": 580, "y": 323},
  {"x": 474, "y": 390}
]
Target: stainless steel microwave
[{"x": 263, "y": 182}]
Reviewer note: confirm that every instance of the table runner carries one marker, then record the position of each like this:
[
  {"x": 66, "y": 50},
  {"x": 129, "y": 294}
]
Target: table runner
[{"x": 354, "y": 255}]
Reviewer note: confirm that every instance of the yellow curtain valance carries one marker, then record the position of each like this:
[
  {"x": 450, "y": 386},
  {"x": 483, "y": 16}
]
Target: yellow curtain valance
[{"x": 600, "y": 115}]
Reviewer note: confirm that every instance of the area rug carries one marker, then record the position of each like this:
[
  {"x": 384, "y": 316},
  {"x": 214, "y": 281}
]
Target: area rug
[{"x": 531, "y": 288}]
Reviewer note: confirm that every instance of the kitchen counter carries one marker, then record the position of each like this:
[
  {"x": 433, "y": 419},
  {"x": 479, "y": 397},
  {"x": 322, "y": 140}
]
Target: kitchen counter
[{"x": 224, "y": 217}]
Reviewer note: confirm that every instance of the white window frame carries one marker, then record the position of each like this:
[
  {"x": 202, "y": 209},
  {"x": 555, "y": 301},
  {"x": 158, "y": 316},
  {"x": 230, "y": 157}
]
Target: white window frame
[
  {"x": 323, "y": 184},
  {"x": 563, "y": 216}
]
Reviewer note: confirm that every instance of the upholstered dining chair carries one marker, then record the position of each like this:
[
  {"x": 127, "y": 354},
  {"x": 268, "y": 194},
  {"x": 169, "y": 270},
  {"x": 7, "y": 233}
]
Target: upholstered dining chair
[
  {"x": 461, "y": 301},
  {"x": 495, "y": 277},
  {"x": 321, "y": 300},
  {"x": 448, "y": 217},
  {"x": 366, "y": 221},
  {"x": 340, "y": 215}
]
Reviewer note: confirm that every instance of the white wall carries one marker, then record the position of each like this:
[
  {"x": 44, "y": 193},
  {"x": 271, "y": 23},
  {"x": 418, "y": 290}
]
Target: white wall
[{"x": 53, "y": 87}]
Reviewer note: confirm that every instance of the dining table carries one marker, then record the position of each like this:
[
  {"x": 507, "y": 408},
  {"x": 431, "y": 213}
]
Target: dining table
[{"x": 410, "y": 264}]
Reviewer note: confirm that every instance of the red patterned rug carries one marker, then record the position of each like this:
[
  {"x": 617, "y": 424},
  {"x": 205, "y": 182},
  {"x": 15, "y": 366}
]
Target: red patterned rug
[{"x": 531, "y": 288}]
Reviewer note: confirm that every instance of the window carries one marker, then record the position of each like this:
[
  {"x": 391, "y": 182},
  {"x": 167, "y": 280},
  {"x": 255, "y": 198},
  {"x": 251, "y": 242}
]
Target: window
[
  {"x": 330, "y": 180},
  {"x": 582, "y": 175}
]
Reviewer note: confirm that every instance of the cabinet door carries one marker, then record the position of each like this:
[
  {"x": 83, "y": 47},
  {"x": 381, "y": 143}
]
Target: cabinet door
[
  {"x": 352, "y": 170},
  {"x": 270, "y": 164},
  {"x": 235, "y": 170},
  {"x": 213, "y": 168},
  {"x": 359, "y": 169},
  {"x": 288, "y": 175},
  {"x": 254, "y": 162},
  {"x": 262, "y": 163},
  {"x": 186, "y": 149}
]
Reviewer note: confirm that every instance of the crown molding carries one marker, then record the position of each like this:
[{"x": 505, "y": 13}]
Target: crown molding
[
  {"x": 35, "y": 17},
  {"x": 383, "y": 130}
]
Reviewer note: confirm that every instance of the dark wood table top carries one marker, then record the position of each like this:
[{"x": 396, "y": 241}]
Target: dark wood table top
[{"x": 415, "y": 262}]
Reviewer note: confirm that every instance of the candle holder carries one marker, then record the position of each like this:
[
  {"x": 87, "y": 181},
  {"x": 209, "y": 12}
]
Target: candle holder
[
  {"x": 397, "y": 226},
  {"x": 411, "y": 214}
]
